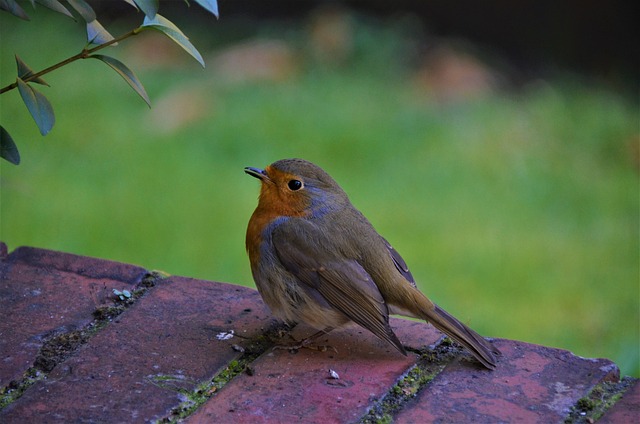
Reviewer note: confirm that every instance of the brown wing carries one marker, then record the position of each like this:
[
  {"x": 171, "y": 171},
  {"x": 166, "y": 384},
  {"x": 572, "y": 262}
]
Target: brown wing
[
  {"x": 343, "y": 283},
  {"x": 400, "y": 264}
]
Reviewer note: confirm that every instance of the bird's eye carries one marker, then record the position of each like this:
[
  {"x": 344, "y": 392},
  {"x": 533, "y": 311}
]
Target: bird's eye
[{"x": 294, "y": 185}]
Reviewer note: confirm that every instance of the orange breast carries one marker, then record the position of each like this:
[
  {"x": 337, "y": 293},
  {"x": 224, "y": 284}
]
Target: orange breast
[
  {"x": 273, "y": 204},
  {"x": 258, "y": 222}
]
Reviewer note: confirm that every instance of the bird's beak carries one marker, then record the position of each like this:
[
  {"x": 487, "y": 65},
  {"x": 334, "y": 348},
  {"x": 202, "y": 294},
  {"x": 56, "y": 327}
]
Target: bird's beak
[{"x": 256, "y": 172}]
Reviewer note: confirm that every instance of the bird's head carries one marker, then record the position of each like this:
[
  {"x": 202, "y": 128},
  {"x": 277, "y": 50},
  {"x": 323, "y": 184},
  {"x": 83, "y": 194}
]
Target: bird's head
[{"x": 296, "y": 187}]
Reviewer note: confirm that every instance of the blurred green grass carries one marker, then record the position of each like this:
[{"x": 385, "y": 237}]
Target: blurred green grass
[{"x": 517, "y": 212}]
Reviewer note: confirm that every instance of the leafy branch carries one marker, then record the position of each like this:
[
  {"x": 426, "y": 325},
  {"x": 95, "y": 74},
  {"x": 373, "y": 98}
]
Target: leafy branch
[
  {"x": 97, "y": 36},
  {"x": 85, "y": 53}
]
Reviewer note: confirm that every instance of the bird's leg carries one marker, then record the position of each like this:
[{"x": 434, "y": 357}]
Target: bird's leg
[
  {"x": 305, "y": 343},
  {"x": 311, "y": 338}
]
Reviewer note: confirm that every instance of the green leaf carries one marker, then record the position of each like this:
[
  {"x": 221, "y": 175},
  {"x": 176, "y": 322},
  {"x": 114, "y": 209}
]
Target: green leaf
[
  {"x": 96, "y": 34},
  {"x": 83, "y": 8},
  {"x": 14, "y": 8},
  {"x": 38, "y": 106},
  {"x": 8, "y": 149},
  {"x": 210, "y": 5},
  {"x": 149, "y": 7},
  {"x": 167, "y": 27},
  {"x": 56, "y": 6},
  {"x": 125, "y": 73},
  {"x": 25, "y": 71}
]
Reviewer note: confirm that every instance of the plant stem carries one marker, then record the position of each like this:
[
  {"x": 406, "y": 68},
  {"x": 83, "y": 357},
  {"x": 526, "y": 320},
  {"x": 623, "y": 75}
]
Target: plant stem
[{"x": 85, "y": 53}]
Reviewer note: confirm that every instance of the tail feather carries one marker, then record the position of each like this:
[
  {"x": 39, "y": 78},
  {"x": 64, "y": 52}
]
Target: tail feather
[{"x": 483, "y": 350}]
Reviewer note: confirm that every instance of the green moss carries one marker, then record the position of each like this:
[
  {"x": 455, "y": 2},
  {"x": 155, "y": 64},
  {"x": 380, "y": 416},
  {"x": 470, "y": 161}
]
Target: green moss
[
  {"x": 404, "y": 390},
  {"x": 601, "y": 398},
  {"x": 585, "y": 404},
  {"x": 193, "y": 398},
  {"x": 16, "y": 388},
  {"x": 58, "y": 347},
  {"x": 432, "y": 362}
]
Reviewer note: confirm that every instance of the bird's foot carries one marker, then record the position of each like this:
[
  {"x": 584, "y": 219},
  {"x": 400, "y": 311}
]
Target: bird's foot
[{"x": 295, "y": 346}]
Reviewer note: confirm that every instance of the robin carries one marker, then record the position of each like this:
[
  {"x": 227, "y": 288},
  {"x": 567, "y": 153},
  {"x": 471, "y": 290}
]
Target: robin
[{"x": 316, "y": 259}]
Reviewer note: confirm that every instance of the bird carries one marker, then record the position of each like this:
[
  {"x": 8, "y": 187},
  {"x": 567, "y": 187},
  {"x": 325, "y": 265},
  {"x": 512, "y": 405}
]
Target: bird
[{"x": 316, "y": 259}]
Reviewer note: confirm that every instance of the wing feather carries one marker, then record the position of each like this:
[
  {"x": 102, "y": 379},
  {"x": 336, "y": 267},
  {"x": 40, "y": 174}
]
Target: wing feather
[
  {"x": 400, "y": 264},
  {"x": 343, "y": 283}
]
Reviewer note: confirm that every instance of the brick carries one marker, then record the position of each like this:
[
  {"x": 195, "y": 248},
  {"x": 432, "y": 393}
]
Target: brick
[
  {"x": 99, "y": 269},
  {"x": 140, "y": 366},
  {"x": 133, "y": 370},
  {"x": 627, "y": 409},
  {"x": 530, "y": 384},
  {"x": 44, "y": 293},
  {"x": 298, "y": 387}
]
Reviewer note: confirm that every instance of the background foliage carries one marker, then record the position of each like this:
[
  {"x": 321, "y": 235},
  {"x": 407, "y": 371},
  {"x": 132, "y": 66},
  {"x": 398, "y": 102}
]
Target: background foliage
[{"x": 516, "y": 209}]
